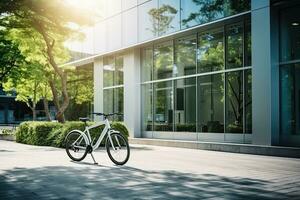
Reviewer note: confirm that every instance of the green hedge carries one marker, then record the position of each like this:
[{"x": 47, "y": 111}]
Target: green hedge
[{"x": 54, "y": 133}]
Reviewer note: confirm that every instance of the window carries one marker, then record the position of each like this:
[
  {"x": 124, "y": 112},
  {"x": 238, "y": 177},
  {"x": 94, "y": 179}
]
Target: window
[
  {"x": 113, "y": 86},
  {"x": 200, "y": 93},
  {"x": 185, "y": 54},
  {"x": 234, "y": 102},
  {"x": 163, "y": 106},
  {"x": 234, "y": 46},
  {"x": 168, "y": 16},
  {"x": 113, "y": 102},
  {"x": 185, "y": 105},
  {"x": 148, "y": 24},
  {"x": 200, "y": 12},
  {"x": 147, "y": 63},
  {"x": 211, "y": 103},
  {"x": 211, "y": 51},
  {"x": 203, "y": 11},
  {"x": 163, "y": 60},
  {"x": 290, "y": 74},
  {"x": 248, "y": 101},
  {"x": 147, "y": 105},
  {"x": 108, "y": 71},
  {"x": 290, "y": 98},
  {"x": 112, "y": 71},
  {"x": 290, "y": 37}
]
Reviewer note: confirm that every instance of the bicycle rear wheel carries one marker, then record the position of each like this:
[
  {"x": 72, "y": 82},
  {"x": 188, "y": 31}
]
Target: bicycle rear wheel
[
  {"x": 118, "y": 151},
  {"x": 76, "y": 146}
]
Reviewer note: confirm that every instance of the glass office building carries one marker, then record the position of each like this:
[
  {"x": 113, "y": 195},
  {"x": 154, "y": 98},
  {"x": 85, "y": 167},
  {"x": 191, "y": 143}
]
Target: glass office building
[{"x": 199, "y": 70}]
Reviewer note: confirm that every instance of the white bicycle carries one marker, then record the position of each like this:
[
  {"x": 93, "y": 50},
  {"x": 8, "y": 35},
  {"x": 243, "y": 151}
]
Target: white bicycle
[{"x": 79, "y": 143}]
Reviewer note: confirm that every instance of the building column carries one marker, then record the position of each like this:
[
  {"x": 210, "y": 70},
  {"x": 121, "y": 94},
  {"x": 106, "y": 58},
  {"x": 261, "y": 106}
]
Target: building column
[
  {"x": 265, "y": 78},
  {"x": 132, "y": 94},
  {"x": 98, "y": 87}
]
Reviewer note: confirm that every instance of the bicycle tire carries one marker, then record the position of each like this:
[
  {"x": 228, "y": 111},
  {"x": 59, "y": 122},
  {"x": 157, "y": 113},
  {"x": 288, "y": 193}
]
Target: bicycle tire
[
  {"x": 108, "y": 145},
  {"x": 67, "y": 146}
]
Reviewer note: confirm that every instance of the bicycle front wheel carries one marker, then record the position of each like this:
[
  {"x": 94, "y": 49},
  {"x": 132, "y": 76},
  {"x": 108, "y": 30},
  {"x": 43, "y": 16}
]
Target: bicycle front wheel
[
  {"x": 117, "y": 148},
  {"x": 76, "y": 146}
]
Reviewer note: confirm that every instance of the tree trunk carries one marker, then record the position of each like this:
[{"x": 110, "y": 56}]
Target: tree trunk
[
  {"x": 62, "y": 75},
  {"x": 33, "y": 113},
  {"x": 45, "y": 101}
]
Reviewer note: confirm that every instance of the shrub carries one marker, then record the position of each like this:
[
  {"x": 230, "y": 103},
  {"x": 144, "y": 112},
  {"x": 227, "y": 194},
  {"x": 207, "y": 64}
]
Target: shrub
[
  {"x": 54, "y": 133},
  {"x": 36, "y": 133}
]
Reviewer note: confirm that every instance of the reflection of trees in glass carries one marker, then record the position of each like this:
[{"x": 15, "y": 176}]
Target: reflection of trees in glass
[
  {"x": 162, "y": 18},
  {"x": 203, "y": 11},
  {"x": 234, "y": 98},
  {"x": 118, "y": 103},
  {"x": 211, "y": 103},
  {"x": 112, "y": 71},
  {"x": 163, "y": 106},
  {"x": 211, "y": 51},
  {"x": 185, "y": 54},
  {"x": 235, "y": 46},
  {"x": 208, "y": 11},
  {"x": 248, "y": 101},
  {"x": 163, "y": 60},
  {"x": 108, "y": 71},
  {"x": 147, "y": 106},
  {"x": 147, "y": 64}
]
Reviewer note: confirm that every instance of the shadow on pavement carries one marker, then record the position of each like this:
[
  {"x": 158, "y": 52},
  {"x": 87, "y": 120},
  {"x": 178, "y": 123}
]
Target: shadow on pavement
[{"x": 126, "y": 182}]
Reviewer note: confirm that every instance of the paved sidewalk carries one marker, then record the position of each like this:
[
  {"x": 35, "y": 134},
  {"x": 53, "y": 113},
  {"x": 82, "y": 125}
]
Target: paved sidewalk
[{"x": 30, "y": 172}]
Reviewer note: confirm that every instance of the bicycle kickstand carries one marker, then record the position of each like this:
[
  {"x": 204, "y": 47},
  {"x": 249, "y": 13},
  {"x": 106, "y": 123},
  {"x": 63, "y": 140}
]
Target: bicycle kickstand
[{"x": 95, "y": 163}]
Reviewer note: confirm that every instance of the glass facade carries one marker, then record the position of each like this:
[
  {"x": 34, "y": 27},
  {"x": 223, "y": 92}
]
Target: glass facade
[
  {"x": 290, "y": 72},
  {"x": 211, "y": 103},
  {"x": 211, "y": 51},
  {"x": 185, "y": 54},
  {"x": 200, "y": 83},
  {"x": 161, "y": 17},
  {"x": 185, "y": 104},
  {"x": 194, "y": 12},
  {"x": 113, "y": 90}
]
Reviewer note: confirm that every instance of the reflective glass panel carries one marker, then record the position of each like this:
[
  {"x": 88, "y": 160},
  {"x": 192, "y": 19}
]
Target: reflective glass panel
[
  {"x": 147, "y": 107},
  {"x": 234, "y": 102},
  {"x": 248, "y": 101},
  {"x": 108, "y": 71},
  {"x": 211, "y": 103},
  {"x": 147, "y": 63},
  {"x": 248, "y": 46},
  {"x": 148, "y": 24},
  {"x": 194, "y": 12},
  {"x": 118, "y": 103},
  {"x": 163, "y": 106},
  {"x": 163, "y": 60},
  {"x": 290, "y": 33},
  {"x": 185, "y": 56},
  {"x": 234, "y": 46},
  {"x": 290, "y": 99},
  {"x": 211, "y": 51},
  {"x": 108, "y": 99},
  {"x": 168, "y": 16},
  {"x": 232, "y": 7},
  {"x": 118, "y": 71},
  {"x": 185, "y": 105}
]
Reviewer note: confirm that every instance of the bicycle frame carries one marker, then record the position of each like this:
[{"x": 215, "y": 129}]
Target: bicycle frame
[{"x": 107, "y": 130}]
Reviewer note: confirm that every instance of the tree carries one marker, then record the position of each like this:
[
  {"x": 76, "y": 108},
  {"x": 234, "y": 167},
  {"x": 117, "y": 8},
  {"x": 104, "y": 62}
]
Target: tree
[
  {"x": 30, "y": 87},
  {"x": 50, "y": 21},
  {"x": 10, "y": 57}
]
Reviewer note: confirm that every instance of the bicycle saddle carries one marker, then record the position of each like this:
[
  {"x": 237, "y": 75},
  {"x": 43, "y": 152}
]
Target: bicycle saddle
[{"x": 84, "y": 119}]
